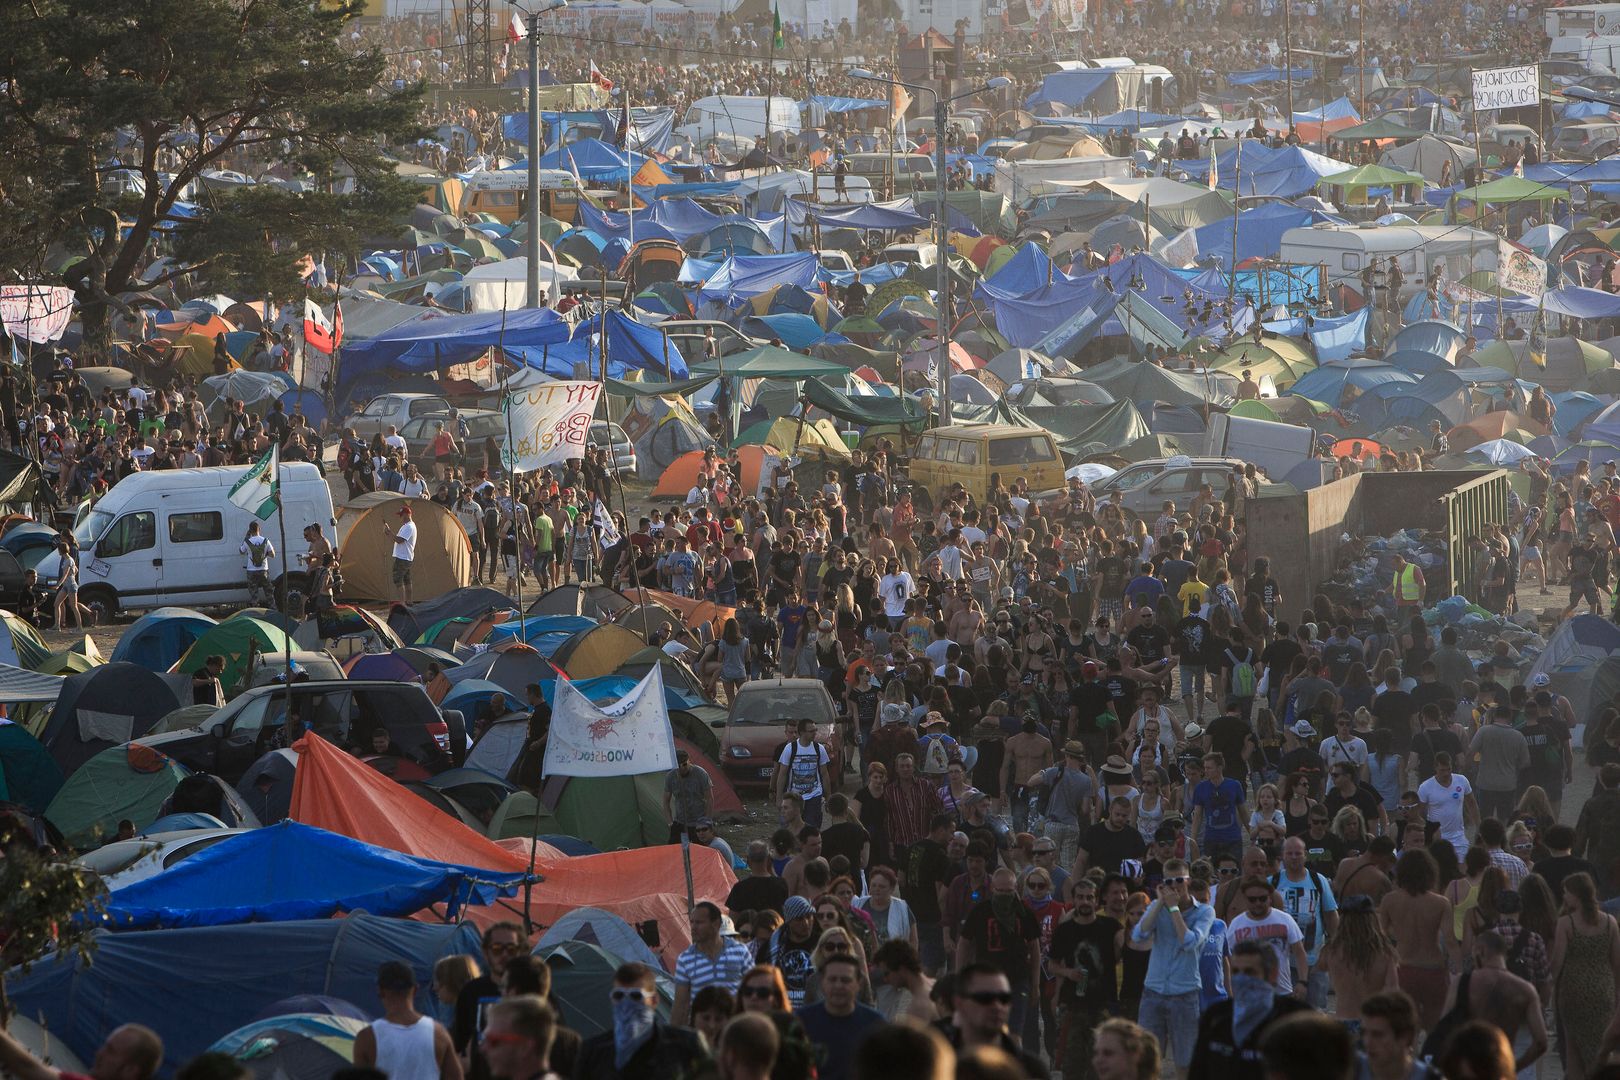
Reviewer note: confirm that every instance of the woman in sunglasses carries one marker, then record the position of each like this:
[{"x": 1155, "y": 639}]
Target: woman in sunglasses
[
  {"x": 837, "y": 941},
  {"x": 763, "y": 990}
]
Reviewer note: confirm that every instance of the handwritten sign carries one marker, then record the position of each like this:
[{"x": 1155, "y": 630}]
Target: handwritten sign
[
  {"x": 1507, "y": 88},
  {"x": 549, "y": 423},
  {"x": 36, "y": 313}
]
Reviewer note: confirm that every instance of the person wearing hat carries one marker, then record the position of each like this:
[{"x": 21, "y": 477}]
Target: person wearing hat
[
  {"x": 1070, "y": 793},
  {"x": 936, "y": 748},
  {"x": 404, "y": 539},
  {"x": 792, "y": 945}
]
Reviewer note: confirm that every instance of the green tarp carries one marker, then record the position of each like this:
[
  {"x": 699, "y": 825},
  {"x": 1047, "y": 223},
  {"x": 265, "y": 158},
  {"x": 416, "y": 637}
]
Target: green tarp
[
  {"x": 866, "y": 411},
  {"x": 19, "y": 479},
  {"x": 679, "y": 388},
  {"x": 1079, "y": 429},
  {"x": 769, "y": 362}
]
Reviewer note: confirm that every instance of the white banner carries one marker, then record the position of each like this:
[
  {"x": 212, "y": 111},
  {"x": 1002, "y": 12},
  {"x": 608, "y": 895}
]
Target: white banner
[
  {"x": 628, "y": 737},
  {"x": 36, "y": 313},
  {"x": 550, "y": 422},
  {"x": 1519, "y": 270},
  {"x": 1507, "y": 88}
]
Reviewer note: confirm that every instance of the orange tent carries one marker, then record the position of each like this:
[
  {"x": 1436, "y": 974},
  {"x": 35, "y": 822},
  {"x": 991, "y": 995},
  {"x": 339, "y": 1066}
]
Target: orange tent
[
  {"x": 683, "y": 471},
  {"x": 692, "y": 610},
  {"x": 341, "y": 794},
  {"x": 208, "y": 325},
  {"x": 1358, "y": 449},
  {"x": 1493, "y": 425}
]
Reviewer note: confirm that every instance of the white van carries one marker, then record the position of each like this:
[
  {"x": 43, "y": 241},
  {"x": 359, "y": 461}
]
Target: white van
[
  {"x": 1598, "y": 55},
  {"x": 174, "y": 537},
  {"x": 1344, "y": 250},
  {"x": 737, "y": 114}
]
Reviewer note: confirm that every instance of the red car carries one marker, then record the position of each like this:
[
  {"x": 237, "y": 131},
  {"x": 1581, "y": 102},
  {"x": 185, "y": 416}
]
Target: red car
[{"x": 764, "y": 715}]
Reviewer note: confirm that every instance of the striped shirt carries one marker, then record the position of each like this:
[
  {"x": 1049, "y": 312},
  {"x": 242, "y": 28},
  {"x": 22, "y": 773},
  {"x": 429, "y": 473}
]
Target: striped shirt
[{"x": 696, "y": 969}]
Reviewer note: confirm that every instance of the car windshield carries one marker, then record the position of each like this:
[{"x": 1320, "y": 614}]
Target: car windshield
[
  {"x": 772, "y": 707},
  {"x": 90, "y": 529},
  {"x": 482, "y": 427}
]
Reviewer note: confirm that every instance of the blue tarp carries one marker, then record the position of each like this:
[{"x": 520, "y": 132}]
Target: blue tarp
[
  {"x": 1287, "y": 171},
  {"x": 874, "y": 275},
  {"x": 652, "y": 127},
  {"x": 795, "y": 330},
  {"x": 1334, "y": 339},
  {"x": 1259, "y": 232},
  {"x": 590, "y": 159},
  {"x": 635, "y": 346},
  {"x": 536, "y": 625},
  {"x": 1071, "y": 88},
  {"x": 896, "y": 214},
  {"x": 1575, "y": 407},
  {"x": 1134, "y": 119},
  {"x": 1341, "y": 109},
  {"x": 1580, "y": 303},
  {"x": 843, "y": 104},
  {"x": 1559, "y": 173},
  {"x": 616, "y": 226},
  {"x": 435, "y": 342},
  {"x": 743, "y": 277},
  {"x": 1265, "y": 75},
  {"x": 1329, "y": 382},
  {"x": 215, "y": 978},
  {"x": 293, "y": 871}
]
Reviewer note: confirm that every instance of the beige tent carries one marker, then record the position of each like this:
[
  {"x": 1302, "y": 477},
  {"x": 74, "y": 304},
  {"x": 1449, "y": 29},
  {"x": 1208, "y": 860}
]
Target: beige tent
[
  {"x": 443, "y": 555},
  {"x": 598, "y": 650}
]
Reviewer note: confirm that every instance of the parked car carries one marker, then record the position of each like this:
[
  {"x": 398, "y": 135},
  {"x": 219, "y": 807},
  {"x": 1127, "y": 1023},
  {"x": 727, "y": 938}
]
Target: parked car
[
  {"x": 1147, "y": 485},
  {"x": 764, "y": 716},
  {"x": 394, "y": 409},
  {"x": 345, "y": 712},
  {"x": 481, "y": 424},
  {"x": 621, "y": 452},
  {"x": 124, "y": 862}
]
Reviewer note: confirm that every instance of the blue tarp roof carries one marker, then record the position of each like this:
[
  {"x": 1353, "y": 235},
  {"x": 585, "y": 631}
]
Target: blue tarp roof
[
  {"x": 1334, "y": 339},
  {"x": 1340, "y": 109},
  {"x": 1071, "y": 88},
  {"x": 292, "y": 871},
  {"x": 795, "y": 329},
  {"x": 896, "y": 214},
  {"x": 1287, "y": 171},
  {"x": 635, "y": 346},
  {"x": 613, "y": 687},
  {"x": 1265, "y": 75},
  {"x": 214, "y": 978},
  {"x": 1557, "y": 173},
  {"x": 591, "y": 159},
  {"x": 1259, "y": 231},
  {"x": 1581, "y": 303},
  {"x": 742, "y": 277},
  {"x": 843, "y": 104},
  {"x": 434, "y": 342}
]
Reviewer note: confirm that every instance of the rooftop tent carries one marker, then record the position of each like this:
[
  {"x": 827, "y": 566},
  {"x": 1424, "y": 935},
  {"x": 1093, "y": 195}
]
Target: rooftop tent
[
  {"x": 20, "y": 643},
  {"x": 294, "y": 1046},
  {"x": 582, "y": 978},
  {"x": 236, "y": 639},
  {"x": 681, "y": 475},
  {"x": 290, "y": 871},
  {"x": 129, "y": 781},
  {"x": 597, "y": 651},
  {"x": 267, "y": 787},
  {"x": 592, "y": 600},
  {"x": 511, "y": 665},
  {"x": 201, "y": 970},
  {"x": 106, "y": 706},
  {"x": 29, "y": 776},
  {"x": 409, "y": 620},
  {"x": 593, "y": 926},
  {"x": 443, "y": 553},
  {"x": 160, "y": 637}
]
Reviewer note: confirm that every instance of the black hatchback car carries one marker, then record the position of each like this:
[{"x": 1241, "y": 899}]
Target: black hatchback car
[{"x": 342, "y": 711}]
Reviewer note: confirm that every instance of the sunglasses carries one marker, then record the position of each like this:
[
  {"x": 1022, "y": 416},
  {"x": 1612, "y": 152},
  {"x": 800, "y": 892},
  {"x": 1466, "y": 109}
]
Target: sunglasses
[
  {"x": 758, "y": 991},
  {"x": 990, "y": 997},
  {"x": 1182, "y": 880},
  {"x": 621, "y": 994},
  {"x": 837, "y": 947},
  {"x": 1228, "y": 871},
  {"x": 1037, "y": 884}
]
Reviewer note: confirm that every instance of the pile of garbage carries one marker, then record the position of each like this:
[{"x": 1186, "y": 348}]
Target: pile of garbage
[
  {"x": 1367, "y": 564},
  {"x": 1479, "y": 630}
]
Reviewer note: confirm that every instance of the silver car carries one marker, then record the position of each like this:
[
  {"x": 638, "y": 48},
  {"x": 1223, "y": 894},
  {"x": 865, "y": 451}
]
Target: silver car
[{"x": 1147, "y": 485}]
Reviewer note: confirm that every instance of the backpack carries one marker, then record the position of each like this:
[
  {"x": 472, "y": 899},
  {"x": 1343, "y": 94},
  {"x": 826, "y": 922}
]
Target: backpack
[
  {"x": 258, "y": 552},
  {"x": 937, "y": 758},
  {"x": 1243, "y": 679},
  {"x": 1322, "y": 891}
]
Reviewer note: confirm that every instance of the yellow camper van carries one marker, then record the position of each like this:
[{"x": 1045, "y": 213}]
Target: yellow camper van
[
  {"x": 500, "y": 194},
  {"x": 969, "y": 453}
]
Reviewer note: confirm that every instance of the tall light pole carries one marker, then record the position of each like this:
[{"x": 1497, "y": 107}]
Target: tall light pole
[
  {"x": 531, "y": 297},
  {"x": 942, "y": 380}
]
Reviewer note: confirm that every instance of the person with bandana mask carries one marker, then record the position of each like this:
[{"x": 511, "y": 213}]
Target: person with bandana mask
[
  {"x": 640, "y": 1046},
  {"x": 1002, "y": 931},
  {"x": 1229, "y": 1032}
]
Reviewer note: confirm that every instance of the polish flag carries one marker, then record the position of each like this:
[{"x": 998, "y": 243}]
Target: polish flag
[
  {"x": 320, "y": 334},
  {"x": 516, "y": 31},
  {"x": 600, "y": 79}
]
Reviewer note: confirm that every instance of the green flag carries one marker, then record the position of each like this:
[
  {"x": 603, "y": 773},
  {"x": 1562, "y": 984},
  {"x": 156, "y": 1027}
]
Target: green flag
[
  {"x": 776, "y": 27},
  {"x": 259, "y": 490}
]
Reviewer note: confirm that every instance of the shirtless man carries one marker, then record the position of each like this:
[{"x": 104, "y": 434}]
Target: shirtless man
[
  {"x": 1353, "y": 983},
  {"x": 809, "y": 849},
  {"x": 967, "y": 620},
  {"x": 1419, "y": 920},
  {"x": 1028, "y": 753},
  {"x": 1229, "y": 902},
  {"x": 1502, "y": 999},
  {"x": 1367, "y": 875},
  {"x": 879, "y": 547}
]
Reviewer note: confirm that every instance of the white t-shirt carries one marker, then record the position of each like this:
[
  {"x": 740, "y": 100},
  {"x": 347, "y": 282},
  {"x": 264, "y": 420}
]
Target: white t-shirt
[
  {"x": 896, "y": 589},
  {"x": 972, "y": 534},
  {"x": 1353, "y": 750},
  {"x": 395, "y": 442},
  {"x": 1279, "y": 930},
  {"x": 250, "y": 547},
  {"x": 804, "y": 764},
  {"x": 136, "y": 397},
  {"x": 1443, "y": 805},
  {"x": 950, "y": 561},
  {"x": 405, "y": 541},
  {"x": 413, "y": 488}
]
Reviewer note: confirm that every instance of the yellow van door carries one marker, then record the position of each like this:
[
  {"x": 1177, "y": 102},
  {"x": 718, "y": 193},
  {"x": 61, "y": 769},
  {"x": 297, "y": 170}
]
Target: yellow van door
[{"x": 1035, "y": 457}]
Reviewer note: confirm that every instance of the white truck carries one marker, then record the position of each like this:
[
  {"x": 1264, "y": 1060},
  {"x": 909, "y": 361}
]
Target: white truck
[
  {"x": 1274, "y": 447},
  {"x": 740, "y": 115}
]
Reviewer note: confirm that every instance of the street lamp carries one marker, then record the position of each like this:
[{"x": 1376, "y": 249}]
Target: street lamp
[
  {"x": 531, "y": 296},
  {"x": 943, "y": 284}
]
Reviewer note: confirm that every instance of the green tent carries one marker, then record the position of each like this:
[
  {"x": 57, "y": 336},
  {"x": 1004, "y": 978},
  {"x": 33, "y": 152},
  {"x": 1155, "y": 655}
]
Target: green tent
[
  {"x": 129, "y": 781},
  {"x": 768, "y": 362},
  {"x": 678, "y": 388},
  {"x": 236, "y": 639},
  {"x": 20, "y": 643},
  {"x": 1377, "y": 128},
  {"x": 581, "y": 981},
  {"x": 866, "y": 411},
  {"x": 611, "y": 812},
  {"x": 1509, "y": 189},
  {"x": 1254, "y": 409},
  {"x": 29, "y": 776}
]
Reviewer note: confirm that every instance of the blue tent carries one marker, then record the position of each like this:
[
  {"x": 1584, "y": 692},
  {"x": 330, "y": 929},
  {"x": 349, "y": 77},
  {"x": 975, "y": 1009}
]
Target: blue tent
[
  {"x": 1575, "y": 407},
  {"x": 1260, "y": 170},
  {"x": 537, "y": 626},
  {"x": 1259, "y": 232},
  {"x": 1329, "y": 382},
  {"x": 1072, "y": 88},
  {"x": 590, "y": 159},
  {"x": 292, "y": 871},
  {"x": 1431, "y": 336},
  {"x": 192, "y": 985},
  {"x": 160, "y": 637},
  {"x": 635, "y": 346},
  {"x": 743, "y": 277}
]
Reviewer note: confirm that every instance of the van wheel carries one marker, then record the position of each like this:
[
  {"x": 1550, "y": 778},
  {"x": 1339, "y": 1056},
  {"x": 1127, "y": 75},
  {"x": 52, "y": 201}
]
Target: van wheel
[
  {"x": 101, "y": 600},
  {"x": 291, "y": 593}
]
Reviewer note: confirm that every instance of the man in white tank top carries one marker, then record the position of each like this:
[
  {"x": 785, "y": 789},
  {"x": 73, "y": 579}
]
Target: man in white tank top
[{"x": 405, "y": 1044}]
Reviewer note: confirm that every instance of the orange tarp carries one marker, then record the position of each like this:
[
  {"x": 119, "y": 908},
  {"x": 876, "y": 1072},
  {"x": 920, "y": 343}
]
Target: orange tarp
[
  {"x": 341, "y": 794},
  {"x": 208, "y": 325},
  {"x": 693, "y": 611},
  {"x": 683, "y": 471}
]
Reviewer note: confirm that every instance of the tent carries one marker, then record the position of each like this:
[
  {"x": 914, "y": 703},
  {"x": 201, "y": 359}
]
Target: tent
[
  {"x": 20, "y": 643},
  {"x": 290, "y": 871},
  {"x": 581, "y": 981},
  {"x": 200, "y": 970},
  {"x": 384, "y": 666},
  {"x": 817, "y": 441},
  {"x": 589, "y": 599},
  {"x": 613, "y": 813},
  {"x": 105, "y": 706},
  {"x": 1577, "y": 653},
  {"x": 597, "y": 651},
  {"x": 294, "y": 1046},
  {"x": 160, "y": 637},
  {"x": 267, "y": 786},
  {"x": 1427, "y": 155},
  {"x": 500, "y": 746},
  {"x": 19, "y": 685},
  {"x": 757, "y": 465},
  {"x": 410, "y": 620},
  {"x": 593, "y": 926},
  {"x": 237, "y": 639},
  {"x": 443, "y": 553},
  {"x": 511, "y": 665},
  {"x": 29, "y": 776},
  {"x": 130, "y": 781},
  {"x": 663, "y": 428}
]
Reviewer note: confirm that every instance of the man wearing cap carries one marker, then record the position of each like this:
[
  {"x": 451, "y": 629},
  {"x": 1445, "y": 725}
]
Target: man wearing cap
[
  {"x": 688, "y": 791},
  {"x": 404, "y": 539},
  {"x": 404, "y": 1043},
  {"x": 1070, "y": 799}
]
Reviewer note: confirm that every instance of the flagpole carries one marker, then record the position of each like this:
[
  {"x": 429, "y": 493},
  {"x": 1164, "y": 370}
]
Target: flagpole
[{"x": 281, "y": 517}]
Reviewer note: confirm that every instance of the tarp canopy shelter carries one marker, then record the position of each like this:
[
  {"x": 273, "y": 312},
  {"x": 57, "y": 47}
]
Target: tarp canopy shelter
[
  {"x": 443, "y": 553},
  {"x": 409, "y": 620},
  {"x": 1356, "y": 185},
  {"x": 81, "y": 1002},
  {"x": 237, "y": 639},
  {"x": 160, "y": 637},
  {"x": 130, "y": 781},
  {"x": 29, "y": 776},
  {"x": 106, "y": 706},
  {"x": 290, "y": 871},
  {"x": 1508, "y": 189},
  {"x": 1378, "y": 129}
]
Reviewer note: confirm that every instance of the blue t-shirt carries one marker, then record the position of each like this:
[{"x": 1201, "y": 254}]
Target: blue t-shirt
[
  {"x": 1212, "y": 966},
  {"x": 1221, "y": 824},
  {"x": 1144, "y": 591},
  {"x": 837, "y": 1036}
]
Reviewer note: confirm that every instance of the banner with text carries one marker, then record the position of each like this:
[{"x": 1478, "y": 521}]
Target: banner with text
[
  {"x": 36, "y": 313},
  {"x": 1507, "y": 88},
  {"x": 550, "y": 423},
  {"x": 627, "y": 737},
  {"x": 1519, "y": 270}
]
